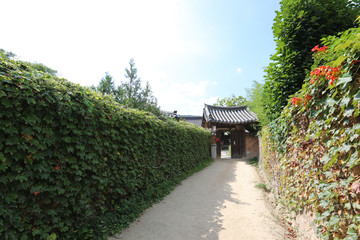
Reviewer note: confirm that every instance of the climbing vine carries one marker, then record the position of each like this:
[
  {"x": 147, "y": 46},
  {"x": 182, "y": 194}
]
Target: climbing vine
[
  {"x": 75, "y": 164},
  {"x": 314, "y": 145}
]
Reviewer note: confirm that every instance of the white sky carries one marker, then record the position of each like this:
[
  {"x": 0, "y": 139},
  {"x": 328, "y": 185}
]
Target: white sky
[{"x": 188, "y": 50}]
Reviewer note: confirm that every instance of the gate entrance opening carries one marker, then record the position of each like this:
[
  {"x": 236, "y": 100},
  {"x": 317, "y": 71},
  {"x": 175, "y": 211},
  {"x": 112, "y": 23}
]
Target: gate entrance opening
[{"x": 238, "y": 121}]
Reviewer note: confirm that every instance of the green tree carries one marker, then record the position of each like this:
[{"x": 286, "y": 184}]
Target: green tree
[
  {"x": 132, "y": 89},
  {"x": 255, "y": 96},
  {"x": 7, "y": 54},
  {"x": 134, "y": 95},
  {"x": 32, "y": 65},
  {"x": 231, "y": 101},
  {"x": 297, "y": 28},
  {"x": 130, "y": 93},
  {"x": 107, "y": 85}
]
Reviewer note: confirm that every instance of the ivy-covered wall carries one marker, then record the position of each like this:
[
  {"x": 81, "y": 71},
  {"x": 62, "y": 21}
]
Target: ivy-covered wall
[
  {"x": 75, "y": 164},
  {"x": 311, "y": 153}
]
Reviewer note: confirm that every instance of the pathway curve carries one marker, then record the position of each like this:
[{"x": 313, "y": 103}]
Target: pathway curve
[{"x": 220, "y": 202}]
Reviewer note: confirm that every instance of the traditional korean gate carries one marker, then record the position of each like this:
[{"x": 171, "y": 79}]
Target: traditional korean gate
[
  {"x": 234, "y": 119},
  {"x": 238, "y": 148}
]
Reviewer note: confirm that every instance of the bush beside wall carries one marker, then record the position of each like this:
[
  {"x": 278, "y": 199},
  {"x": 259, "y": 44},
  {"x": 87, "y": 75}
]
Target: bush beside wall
[{"x": 77, "y": 165}]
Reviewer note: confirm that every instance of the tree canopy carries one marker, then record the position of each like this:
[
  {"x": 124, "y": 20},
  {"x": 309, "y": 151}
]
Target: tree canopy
[
  {"x": 255, "y": 102},
  {"x": 41, "y": 68},
  {"x": 297, "y": 28},
  {"x": 231, "y": 101},
  {"x": 107, "y": 85},
  {"x": 130, "y": 93}
]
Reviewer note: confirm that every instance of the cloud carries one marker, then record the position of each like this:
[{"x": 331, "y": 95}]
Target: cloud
[
  {"x": 239, "y": 70},
  {"x": 103, "y": 38},
  {"x": 187, "y": 98}
]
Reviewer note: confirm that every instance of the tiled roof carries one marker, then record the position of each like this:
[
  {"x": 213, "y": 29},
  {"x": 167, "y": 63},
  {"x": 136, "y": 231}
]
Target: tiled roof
[
  {"x": 197, "y": 120},
  {"x": 229, "y": 115}
]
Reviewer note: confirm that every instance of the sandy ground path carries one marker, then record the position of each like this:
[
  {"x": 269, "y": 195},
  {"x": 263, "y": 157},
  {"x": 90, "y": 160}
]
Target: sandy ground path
[{"x": 220, "y": 202}]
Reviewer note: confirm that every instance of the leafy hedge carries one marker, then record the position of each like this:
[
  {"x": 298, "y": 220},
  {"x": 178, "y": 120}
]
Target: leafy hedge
[
  {"x": 298, "y": 26},
  {"x": 77, "y": 165},
  {"x": 312, "y": 150}
]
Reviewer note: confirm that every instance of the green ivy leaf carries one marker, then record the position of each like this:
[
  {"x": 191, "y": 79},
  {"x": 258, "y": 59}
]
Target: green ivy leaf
[
  {"x": 338, "y": 61},
  {"x": 21, "y": 178},
  {"x": 353, "y": 160},
  {"x": 357, "y": 96},
  {"x": 334, "y": 220},
  {"x": 352, "y": 233},
  {"x": 10, "y": 197},
  {"x": 355, "y": 205},
  {"x": 30, "y": 101},
  {"x": 347, "y": 206},
  {"x": 345, "y": 102},
  {"x": 6, "y": 102},
  {"x": 51, "y": 237},
  {"x": 2, "y": 93}
]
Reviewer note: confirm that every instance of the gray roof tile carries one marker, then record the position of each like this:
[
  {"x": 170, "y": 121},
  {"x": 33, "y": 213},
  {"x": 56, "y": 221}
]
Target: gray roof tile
[{"x": 229, "y": 115}]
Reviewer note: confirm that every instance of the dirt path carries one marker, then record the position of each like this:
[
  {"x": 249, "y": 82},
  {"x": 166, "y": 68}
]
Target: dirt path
[{"x": 220, "y": 202}]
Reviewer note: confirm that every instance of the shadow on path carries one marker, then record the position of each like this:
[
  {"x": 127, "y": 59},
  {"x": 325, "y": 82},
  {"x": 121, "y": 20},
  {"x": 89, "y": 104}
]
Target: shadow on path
[{"x": 206, "y": 206}]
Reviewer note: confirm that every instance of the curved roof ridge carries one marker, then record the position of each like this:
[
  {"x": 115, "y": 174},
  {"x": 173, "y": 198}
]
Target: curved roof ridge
[
  {"x": 229, "y": 115},
  {"x": 222, "y": 107}
]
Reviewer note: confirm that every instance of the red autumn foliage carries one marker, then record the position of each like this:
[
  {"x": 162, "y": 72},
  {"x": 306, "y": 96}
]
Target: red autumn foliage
[
  {"x": 321, "y": 49},
  {"x": 296, "y": 101}
]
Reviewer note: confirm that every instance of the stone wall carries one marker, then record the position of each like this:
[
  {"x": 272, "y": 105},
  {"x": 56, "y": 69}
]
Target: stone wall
[
  {"x": 252, "y": 145},
  {"x": 301, "y": 221}
]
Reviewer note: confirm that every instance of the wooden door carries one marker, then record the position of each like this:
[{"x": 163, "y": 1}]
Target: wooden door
[{"x": 238, "y": 144}]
